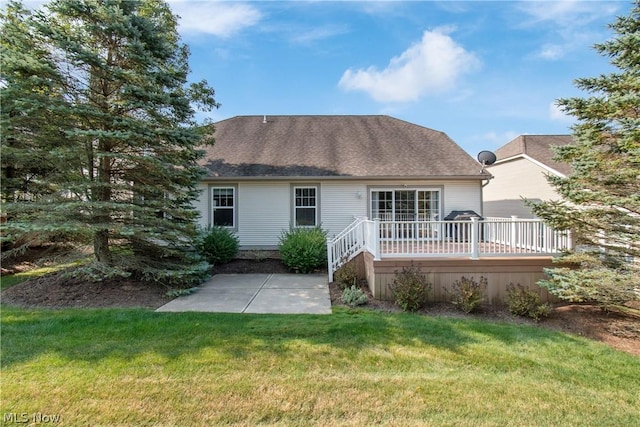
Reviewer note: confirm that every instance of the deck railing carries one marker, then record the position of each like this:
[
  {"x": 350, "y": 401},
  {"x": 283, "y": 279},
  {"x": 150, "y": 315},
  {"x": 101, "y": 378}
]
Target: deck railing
[{"x": 418, "y": 239}]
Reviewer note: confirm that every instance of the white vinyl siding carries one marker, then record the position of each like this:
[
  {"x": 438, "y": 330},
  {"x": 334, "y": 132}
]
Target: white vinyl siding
[
  {"x": 342, "y": 202},
  {"x": 264, "y": 212},
  {"x": 264, "y": 209},
  {"x": 202, "y": 205},
  {"x": 462, "y": 195},
  {"x": 514, "y": 180}
]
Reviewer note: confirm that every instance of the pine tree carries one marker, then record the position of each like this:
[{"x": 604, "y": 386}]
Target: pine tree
[
  {"x": 601, "y": 197},
  {"x": 101, "y": 126}
]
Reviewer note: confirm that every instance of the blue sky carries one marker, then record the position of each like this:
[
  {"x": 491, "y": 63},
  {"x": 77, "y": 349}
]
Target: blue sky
[{"x": 482, "y": 72}]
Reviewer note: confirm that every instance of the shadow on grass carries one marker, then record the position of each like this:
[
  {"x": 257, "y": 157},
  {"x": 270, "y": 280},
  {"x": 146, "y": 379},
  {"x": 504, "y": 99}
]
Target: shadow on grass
[{"x": 93, "y": 335}]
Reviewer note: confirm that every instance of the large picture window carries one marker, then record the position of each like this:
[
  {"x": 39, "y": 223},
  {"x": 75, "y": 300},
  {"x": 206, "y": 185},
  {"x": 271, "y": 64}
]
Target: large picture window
[
  {"x": 405, "y": 205},
  {"x": 305, "y": 207},
  {"x": 223, "y": 201}
]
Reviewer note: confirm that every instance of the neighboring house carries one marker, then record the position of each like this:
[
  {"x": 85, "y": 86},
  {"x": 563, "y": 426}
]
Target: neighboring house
[
  {"x": 267, "y": 174},
  {"x": 521, "y": 171}
]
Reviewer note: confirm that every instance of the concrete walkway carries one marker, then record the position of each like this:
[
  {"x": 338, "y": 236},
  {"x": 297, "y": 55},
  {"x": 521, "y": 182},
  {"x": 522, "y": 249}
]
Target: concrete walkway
[{"x": 258, "y": 293}]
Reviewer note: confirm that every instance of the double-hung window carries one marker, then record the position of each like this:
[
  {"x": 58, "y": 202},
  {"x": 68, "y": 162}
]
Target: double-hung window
[
  {"x": 223, "y": 206},
  {"x": 305, "y": 206}
]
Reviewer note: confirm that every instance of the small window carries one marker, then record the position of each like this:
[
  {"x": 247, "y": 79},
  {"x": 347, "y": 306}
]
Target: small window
[
  {"x": 223, "y": 206},
  {"x": 306, "y": 206}
]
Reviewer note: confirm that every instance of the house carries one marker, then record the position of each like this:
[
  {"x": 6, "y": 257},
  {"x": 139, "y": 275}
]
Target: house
[
  {"x": 266, "y": 174},
  {"x": 520, "y": 172},
  {"x": 382, "y": 189}
]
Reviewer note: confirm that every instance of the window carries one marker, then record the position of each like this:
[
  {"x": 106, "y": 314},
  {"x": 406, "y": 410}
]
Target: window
[
  {"x": 223, "y": 206},
  {"x": 405, "y": 205},
  {"x": 305, "y": 208}
]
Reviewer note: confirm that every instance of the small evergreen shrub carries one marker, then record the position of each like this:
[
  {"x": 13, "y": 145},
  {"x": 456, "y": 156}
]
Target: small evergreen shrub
[
  {"x": 218, "y": 245},
  {"x": 175, "y": 293},
  {"x": 354, "y": 296},
  {"x": 468, "y": 294},
  {"x": 183, "y": 277},
  {"x": 410, "y": 289},
  {"x": 526, "y": 302},
  {"x": 304, "y": 249},
  {"x": 346, "y": 276}
]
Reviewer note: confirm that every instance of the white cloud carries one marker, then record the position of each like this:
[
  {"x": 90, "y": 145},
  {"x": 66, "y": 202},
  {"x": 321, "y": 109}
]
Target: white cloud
[
  {"x": 555, "y": 113},
  {"x": 221, "y": 19},
  {"x": 552, "y": 51},
  {"x": 316, "y": 34},
  {"x": 493, "y": 140},
  {"x": 431, "y": 65},
  {"x": 564, "y": 13},
  {"x": 570, "y": 21}
]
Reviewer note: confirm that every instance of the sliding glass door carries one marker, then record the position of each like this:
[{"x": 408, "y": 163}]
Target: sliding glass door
[
  {"x": 408, "y": 210},
  {"x": 405, "y": 205}
]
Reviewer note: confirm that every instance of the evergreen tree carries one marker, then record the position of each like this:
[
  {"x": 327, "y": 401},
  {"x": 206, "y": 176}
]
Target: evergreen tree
[
  {"x": 601, "y": 197},
  {"x": 98, "y": 132}
]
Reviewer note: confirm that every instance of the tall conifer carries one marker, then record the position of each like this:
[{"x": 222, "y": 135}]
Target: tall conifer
[
  {"x": 98, "y": 131},
  {"x": 601, "y": 197}
]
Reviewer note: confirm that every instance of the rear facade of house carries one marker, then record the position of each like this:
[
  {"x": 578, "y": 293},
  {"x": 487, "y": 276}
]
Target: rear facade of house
[{"x": 267, "y": 174}]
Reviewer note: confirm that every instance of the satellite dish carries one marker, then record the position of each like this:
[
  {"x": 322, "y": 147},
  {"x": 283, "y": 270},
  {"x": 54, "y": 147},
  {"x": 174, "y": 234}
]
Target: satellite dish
[{"x": 487, "y": 158}]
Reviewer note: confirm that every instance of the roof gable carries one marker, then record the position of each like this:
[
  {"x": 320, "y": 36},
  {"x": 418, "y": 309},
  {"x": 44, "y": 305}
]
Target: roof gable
[
  {"x": 339, "y": 146},
  {"x": 537, "y": 147}
]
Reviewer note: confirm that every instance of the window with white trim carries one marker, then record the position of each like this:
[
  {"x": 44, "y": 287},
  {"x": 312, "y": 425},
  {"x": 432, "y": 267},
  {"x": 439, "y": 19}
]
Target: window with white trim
[
  {"x": 405, "y": 205},
  {"x": 305, "y": 207},
  {"x": 223, "y": 207}
]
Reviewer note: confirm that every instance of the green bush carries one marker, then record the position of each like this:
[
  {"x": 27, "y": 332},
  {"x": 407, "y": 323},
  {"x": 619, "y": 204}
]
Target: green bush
[
  {"x": 468, "y": 294},
  {"x": 526, "y": 302},
  {"x": 354, "y": 296},
  {"x": 346, "y": 276},
  {"x": 410, "y": 289},
  {"x": 218, "y": 245},
  {"x": 304, "y": 249}
]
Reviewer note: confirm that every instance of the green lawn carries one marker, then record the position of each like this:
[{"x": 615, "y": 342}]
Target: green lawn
[
  {"x": 13, "y": 279},
  {"x": 137, "y": 367}
]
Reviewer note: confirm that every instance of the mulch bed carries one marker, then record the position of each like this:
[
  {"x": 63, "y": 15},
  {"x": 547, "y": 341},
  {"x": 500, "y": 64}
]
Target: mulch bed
[{"x": 56, "y": 291}]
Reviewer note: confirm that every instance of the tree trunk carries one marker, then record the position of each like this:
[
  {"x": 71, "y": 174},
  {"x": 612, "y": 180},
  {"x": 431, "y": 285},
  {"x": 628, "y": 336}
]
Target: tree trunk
[{"x": 101, "y": 247}]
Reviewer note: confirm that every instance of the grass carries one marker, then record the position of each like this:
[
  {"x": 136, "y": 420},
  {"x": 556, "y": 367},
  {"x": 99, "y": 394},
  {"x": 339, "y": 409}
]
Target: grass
[
  {"x": 13, "y": 279},
  {"x": 355, "y": 367}
]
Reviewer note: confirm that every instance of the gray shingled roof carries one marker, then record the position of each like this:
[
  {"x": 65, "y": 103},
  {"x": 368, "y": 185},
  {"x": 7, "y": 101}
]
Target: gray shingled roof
[
  {"x": 338, "y": 146},
  {"x": 537, "y": 147}
]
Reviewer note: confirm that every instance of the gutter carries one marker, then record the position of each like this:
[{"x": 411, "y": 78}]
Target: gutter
[{"x": 481, "y": 177}]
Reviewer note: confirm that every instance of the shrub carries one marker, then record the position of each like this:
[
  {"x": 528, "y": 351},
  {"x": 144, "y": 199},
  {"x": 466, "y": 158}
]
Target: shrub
[
  {"x": 175, "y": 293},
  {"x": 304, "y": 249},
  {"x": 218, "y": 245},
  {"x": 346, "y": 276},
  {"x": 468, "y": 294},
  {"x": 526, "y": 302},
  {"x": 410, "y": 289},
  {"x": 354, "y": 296}
]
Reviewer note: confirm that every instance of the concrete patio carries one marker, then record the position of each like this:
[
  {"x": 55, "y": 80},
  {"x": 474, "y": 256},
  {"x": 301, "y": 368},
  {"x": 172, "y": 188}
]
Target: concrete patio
[{"x": 258, "y": 293}]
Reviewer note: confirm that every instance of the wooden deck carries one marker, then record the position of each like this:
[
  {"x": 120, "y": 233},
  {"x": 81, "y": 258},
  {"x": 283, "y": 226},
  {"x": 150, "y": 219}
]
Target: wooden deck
[
  {"x": 442, "y": 272},
  {"x": 503, "y": 250}
]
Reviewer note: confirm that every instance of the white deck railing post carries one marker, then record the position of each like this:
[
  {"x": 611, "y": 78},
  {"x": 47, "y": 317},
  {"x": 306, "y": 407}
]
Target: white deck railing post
[
  {"x": 514, "y": 232},
  {"x": 376, "y": 237},
  {"x": 475, "y": 238},
  {"x": 330, "y": 259}
]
